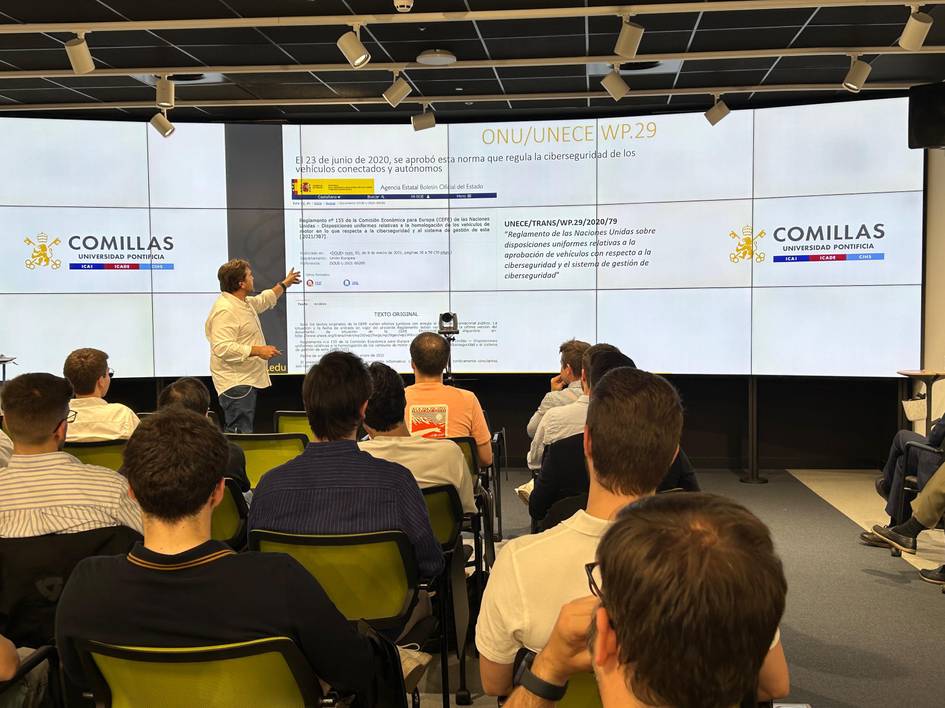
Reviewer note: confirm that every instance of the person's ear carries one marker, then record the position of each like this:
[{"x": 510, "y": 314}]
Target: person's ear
[
  {"x": 605, "y": 639},
  {"x": 587, "y": 442},
  {"x": 131, "y": 494},
  {"x": 363, "y": 409},
  {"x": 675, "y": 454},
  {"x": 216, "y": 496},
  {"x": 60, "y": 433},
  {"x": 372, "y": 433}
]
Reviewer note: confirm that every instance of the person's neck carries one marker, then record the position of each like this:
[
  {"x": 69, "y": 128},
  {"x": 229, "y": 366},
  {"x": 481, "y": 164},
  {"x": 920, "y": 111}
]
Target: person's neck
[
  {"x": 44, "y": 448},
  {"x": 353, "y": 437},
  {"x": 398, "y": 431},
  {"x": 603, "y": 504},
  {"x": 172, "y": 538},
  {"x": 426, "y": 378},
  {"x": 94, "y": 394},
  {"x": 240, "y": 294}
]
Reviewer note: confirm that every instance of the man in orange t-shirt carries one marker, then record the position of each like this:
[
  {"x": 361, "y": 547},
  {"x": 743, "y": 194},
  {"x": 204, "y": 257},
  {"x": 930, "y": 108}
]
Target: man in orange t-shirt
[{"x": 435, "y": 410}]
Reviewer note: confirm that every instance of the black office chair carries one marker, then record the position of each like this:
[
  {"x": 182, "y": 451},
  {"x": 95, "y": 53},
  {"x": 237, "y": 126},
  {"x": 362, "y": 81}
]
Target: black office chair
[{"x": 919, "y": 458}]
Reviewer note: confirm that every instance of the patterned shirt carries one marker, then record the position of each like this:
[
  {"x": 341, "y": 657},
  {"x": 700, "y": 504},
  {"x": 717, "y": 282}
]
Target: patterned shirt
[
  {"x": 55, "y": 493},
  {"x": 334, "y": 488}
]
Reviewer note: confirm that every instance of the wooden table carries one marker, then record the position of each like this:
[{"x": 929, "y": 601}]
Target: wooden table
[{"x": 928, "y": 377}]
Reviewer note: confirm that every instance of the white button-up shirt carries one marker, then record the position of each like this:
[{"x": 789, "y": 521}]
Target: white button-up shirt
[
  {"x": 233, "y": 329},
  {"x": 96, "y": 420},
  {"x": 553, "y": 399},
  {"x": 557, "y": 424}
]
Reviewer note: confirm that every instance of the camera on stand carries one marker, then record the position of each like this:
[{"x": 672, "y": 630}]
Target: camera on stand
[{"x": 448, "y": 329}]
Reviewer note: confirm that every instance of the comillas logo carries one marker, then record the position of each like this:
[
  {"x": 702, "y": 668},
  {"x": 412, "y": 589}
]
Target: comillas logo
[
  {"x": 42, "y": 255},
  {"x": 746, "y": 245},
  {"x": 829, "y": 232}
]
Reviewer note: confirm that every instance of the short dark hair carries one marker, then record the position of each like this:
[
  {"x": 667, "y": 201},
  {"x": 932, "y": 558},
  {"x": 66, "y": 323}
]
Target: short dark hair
[
  {"x": 173, "y": 460},
  {"x": 188, "y": 392},
  {"x": 333, "y": 392},
  {"x": 572, "y": 353},
  {"x": 34, "y": 405},
  {"x": 635, "y": 420},
  {"x": 231, "y": 274},
  {"x": 592, "y": 351},
  {"x": 83, "y": 368},
  {"x": 604, "y": 361},
  {"x": 385, "y": 410},
  {"x": 429, "y": 352},
  {"x": 691, "y": 580}
]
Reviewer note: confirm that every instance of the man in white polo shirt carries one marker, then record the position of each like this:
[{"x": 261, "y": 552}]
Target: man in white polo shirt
[
  {"x": 432, "y": 462},
  {"x": 96, "y": 419},
  {"x": 44, "y": 490},
  {"x": 634, "y": 422},
  {"x": 239, "y": 354}
]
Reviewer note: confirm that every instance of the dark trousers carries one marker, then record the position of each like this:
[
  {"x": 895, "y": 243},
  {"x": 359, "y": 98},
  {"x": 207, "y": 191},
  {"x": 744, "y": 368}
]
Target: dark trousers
[
  {"x": 895, "y": 469},
  {"x": 239, "y": 409}
]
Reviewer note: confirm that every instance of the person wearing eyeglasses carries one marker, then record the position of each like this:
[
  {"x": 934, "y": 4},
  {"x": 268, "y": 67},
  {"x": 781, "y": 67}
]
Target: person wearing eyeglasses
[
  {"x": 96, "y": 419},
  {"x": 686, "y": 597},
  {"x": 44, "y": 490}
]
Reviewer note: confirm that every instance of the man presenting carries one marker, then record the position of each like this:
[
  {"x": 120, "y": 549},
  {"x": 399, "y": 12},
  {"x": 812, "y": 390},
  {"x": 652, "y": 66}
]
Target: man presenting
[{"x": 238, "y": 349}]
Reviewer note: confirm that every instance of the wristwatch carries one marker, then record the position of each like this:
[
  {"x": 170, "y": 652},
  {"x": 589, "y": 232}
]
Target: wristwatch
[
  {"x": 284, "y": 286},
  {"x": 535, "y": 685}
]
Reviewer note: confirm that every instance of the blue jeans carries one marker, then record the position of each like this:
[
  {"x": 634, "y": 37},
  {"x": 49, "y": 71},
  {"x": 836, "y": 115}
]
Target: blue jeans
[{"x": 239, "y": 409}]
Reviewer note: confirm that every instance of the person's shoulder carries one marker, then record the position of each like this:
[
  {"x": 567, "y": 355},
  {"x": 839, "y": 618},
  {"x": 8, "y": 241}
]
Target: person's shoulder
[
  {"x": 120, "y": 408},
  {"x": 543, "y": 543},
  {"x": 96, "y": 571}
]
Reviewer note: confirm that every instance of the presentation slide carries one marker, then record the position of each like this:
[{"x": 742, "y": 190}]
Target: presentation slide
[{"x": 762, "y": 244}]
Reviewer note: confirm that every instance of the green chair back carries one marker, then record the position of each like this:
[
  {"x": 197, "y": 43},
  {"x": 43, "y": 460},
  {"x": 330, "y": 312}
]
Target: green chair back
[
  {"x": 470, "y": 452},
  {"x": 446, "y": 513},
  {"x": 369, "y": 576},
  {"x": 582, "y": 692},
  {"x": 108, "y": 454},
  {"x": 228, "y": 523},
  {"x": 292, "y": 422},
  {"x": 264, "y": 451},
  {"x": 262, "y": 672}
]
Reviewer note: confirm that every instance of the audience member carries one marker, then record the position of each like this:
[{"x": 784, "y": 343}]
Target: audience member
[
  {"x": 435, "y": 410},
  {"x": 565, "y": 421},
  {"x": 890, "y": 483},
  {"x": 632, "y": 433},
  {"x": 927, "y": 510},
  {"x": 432, "y": 462},
  {"x": 566, "y": 387},
  {"x": 181, "y": 589},
  {"x": 6, "y": 448},
  {"x": 689, "y": 593},
  {"x": 96, "y": 419},
  {"x": 30, "y": 690},
  {"x": 44, "y": 490},
  {"x": 194, "y": 395},
  {"x": 333, "y": 487}
]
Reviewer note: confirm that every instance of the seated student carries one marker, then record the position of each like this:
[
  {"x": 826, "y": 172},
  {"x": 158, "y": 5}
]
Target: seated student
[
  {"x": 563, "y": 473},
  {"x": 927, "y": 510},
  {"x": 633, "y": 426},
  {"x": 565, "y": 421},
  {"x": 44, "y": 490},
  {"x": 431, "y": 462},
  {"x": 28, "y": 691},
  {"x": 181, "y": 589},
  {"x": 687, "y": 594},
  {"x": 435, "y": 410},
  {"x": 333, "y": 487},
  {"x": 6, "y": 448},
  {"x": 194, "y": 395},
  {"x": 96, "y": 419},
  {"x": 566, "y": 386}
]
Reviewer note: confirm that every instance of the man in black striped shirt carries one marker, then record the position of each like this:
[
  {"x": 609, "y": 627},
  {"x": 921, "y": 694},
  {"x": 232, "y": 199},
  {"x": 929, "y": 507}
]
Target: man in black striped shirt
[{"x": 180, "y": 589}]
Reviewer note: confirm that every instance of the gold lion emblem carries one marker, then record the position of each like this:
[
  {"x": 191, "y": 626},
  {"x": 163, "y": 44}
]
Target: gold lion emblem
[
  {"x": 42, "y": 255},
  {"x": 745, "y": 246}
]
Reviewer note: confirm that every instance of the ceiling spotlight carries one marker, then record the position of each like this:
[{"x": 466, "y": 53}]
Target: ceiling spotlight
[
  {"x": 79, "y": 55},
  {"x": 355, "y": 52},
  {"x": 628, "y": 41},
  {"x": 916, "y": 30},
  {"x": 857, "y": 74},
  {"x": 718, "y": 111},
  {"x": 615, "y": 85},
  {"x": 422, "y": 121},
  {"x": 397, "y": 92},
  {"x": 162, "y": 125},
  {"x": 165, "y": 93},
  {"x": 403, "y": 5}
]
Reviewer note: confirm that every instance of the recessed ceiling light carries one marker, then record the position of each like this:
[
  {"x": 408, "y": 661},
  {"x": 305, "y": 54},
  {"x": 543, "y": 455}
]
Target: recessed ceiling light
[{"x": 436, "y": 57}]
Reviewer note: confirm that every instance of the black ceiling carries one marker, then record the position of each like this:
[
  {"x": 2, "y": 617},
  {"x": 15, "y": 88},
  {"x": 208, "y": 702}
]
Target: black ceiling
[{"x": 742, "y": 30}]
